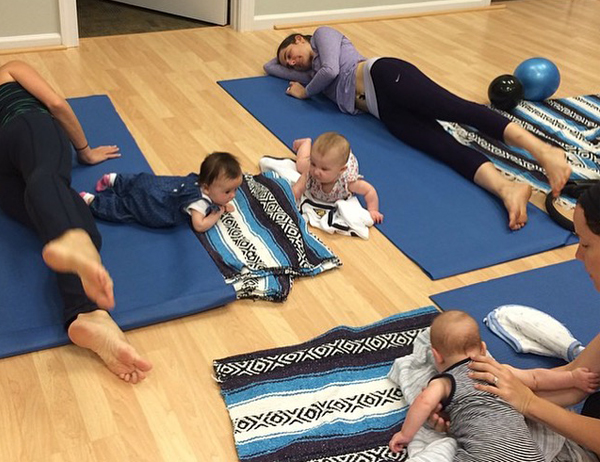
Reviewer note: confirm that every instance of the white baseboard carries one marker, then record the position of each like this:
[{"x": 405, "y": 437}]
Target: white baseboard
[
  {"x": 30, "y": 41},
  {"x": 270, "y": 20}
]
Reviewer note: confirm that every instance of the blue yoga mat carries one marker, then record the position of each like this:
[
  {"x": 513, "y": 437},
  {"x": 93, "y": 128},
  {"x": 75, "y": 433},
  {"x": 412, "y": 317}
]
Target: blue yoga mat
[
  {"x": 564, "y": 291},
  {"x": 444, "y": 223},
  {"x": 158, "y": 274}
]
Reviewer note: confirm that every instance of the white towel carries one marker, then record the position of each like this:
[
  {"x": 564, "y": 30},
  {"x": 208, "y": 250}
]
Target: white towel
[
  {"x": 347, "y": 217},
  {"x": 528, "y": 330}
]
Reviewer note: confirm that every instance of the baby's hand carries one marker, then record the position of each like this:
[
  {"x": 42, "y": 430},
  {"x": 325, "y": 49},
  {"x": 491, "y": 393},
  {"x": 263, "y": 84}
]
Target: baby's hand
[
  {"x": 585, "y": 380},
  {"x": 299, "y": 142},
  {"x": 376, "y": 216},
  {"x": 229, "y": 208},
  {"x": 398, "y": 442}
]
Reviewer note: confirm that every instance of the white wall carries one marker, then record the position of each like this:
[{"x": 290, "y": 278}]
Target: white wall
[
  {"x": 264, "y": 14},
  {"x": 37, "y": 23}
]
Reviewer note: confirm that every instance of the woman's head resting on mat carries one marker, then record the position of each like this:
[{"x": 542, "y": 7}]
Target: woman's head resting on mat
[
  {"x": 586, "y": 219},
  {"x": 454, "y": 336},
  {"x": 220, "y": 176},
  {"x": 295, "y": 52},
  {"x": 328, "y": 157}
]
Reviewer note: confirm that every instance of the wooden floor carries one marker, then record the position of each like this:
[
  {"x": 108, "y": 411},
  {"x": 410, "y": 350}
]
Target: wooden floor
[{"x": 63, "y": 405}]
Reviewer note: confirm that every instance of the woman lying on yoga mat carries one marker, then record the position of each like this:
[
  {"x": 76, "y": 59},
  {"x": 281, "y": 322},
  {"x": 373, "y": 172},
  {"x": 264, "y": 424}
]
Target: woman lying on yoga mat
[
  {"x": 37, "y": 128},
  {"x": 585, "y": 428},
  {"x": 409, "y": 104}
]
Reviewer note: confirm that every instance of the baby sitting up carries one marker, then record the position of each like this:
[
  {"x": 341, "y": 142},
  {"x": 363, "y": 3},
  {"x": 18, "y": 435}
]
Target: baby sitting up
[
  {"x": 329, "y": 171},
  {"x": 485, "y": 427},
  {"x": 159, "y": 201}
]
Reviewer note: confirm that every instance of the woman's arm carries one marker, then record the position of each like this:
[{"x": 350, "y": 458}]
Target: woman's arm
[
  {"x": 33, "y": 82},
  {"x": 580, "y": 429},
  {"x": 277, "y": 70},
  {"x": 328, "y": 44}
]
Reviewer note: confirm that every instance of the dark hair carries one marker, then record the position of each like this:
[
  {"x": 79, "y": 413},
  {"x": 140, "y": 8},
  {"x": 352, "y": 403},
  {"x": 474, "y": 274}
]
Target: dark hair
[
  {"x": 289, "y": 40},
  {"x": 590, "y": 203},
  {"x": 217, "y": 164}
]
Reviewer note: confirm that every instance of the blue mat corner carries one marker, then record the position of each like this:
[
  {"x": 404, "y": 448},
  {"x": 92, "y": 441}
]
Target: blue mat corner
[
  {"x": 564, "y": 291},
  {"x": 158, "y": 274}
]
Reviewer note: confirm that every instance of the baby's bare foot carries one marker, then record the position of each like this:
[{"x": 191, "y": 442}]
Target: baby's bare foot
[{"x": 98, "y": 332}]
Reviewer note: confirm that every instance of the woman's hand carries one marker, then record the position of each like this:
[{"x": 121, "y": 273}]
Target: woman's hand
[
  {"x": 504, "y": 383},
  {"x": 439, "y": 420},
  {"x": 297, "y": 90},
  {"x": 93, "y": 156}
]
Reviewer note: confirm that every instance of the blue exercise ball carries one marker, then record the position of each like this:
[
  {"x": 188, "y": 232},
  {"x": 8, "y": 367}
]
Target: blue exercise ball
[{"x": 540, "y": 78}]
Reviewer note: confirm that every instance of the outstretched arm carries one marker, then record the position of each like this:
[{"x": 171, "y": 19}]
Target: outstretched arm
[
  {"x": 34, "y": 83},
  {"x": 368, "y": 191},
  {"x": 424, "y": 404},
  {"x": 580, "y": 429}
]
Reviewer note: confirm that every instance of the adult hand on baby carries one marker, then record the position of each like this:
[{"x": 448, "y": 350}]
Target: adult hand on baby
[
  {"x": 439, "y": 420},
  {"x": 296, "y": 90},
  {"x": 585, "y": 379},
  {"x": 93, "y": 156},
  {"x": 505, "y": 384}
]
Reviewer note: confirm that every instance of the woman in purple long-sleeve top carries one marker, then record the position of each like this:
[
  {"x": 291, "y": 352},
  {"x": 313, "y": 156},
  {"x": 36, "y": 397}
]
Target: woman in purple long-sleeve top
[{"x": 409, "y": 104}]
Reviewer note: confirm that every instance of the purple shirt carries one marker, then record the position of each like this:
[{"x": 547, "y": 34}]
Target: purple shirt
[{"x": 333, "y": 69}]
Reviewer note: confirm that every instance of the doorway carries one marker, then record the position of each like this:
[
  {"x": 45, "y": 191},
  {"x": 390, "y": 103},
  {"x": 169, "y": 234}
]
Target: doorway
[{"x": 98, "y": 18}]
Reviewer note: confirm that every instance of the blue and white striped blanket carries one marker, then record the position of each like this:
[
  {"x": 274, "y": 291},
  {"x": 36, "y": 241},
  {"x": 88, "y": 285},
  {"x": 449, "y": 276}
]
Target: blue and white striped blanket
[
  {"x": 328, "y": 399},
  {"x": 265, "y": 243},
  {"x": 572, "y": 124}
]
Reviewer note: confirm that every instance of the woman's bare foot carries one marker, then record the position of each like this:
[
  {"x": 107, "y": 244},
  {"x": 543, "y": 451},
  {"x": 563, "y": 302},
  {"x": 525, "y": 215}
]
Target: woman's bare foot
[
  {"x": 98, "y": 332},
  {"x": 514, "y": 195},
  {"x": 74, "y": 252},
  {"x": 557, "y": 169},
  {"x": 515, "y": 198},
  {"x": 551, "y": 158}
]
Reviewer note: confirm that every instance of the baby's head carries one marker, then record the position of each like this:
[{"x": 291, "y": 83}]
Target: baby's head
[
  {"x": 328, "y": 157},
  {"x": 220, "y": 176},
  {"x": 454, "y": 336}
]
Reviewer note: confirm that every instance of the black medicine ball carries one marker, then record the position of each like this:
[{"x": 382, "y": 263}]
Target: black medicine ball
[{"x": 505, "y": 92}]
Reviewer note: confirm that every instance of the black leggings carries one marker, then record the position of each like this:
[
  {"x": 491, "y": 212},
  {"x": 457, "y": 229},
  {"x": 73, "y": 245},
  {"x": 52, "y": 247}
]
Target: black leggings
[
  {"x": 35, "y": 189},
  {"x": 409, "y": 104}
]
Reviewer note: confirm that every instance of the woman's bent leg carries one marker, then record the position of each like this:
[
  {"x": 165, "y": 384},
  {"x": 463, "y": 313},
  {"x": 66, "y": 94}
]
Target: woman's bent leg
[{"x": 35, "y": 148}]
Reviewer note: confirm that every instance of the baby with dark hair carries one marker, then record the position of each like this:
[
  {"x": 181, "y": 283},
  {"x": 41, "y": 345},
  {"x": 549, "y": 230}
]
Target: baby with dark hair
[{"x": 160, "y": 201}]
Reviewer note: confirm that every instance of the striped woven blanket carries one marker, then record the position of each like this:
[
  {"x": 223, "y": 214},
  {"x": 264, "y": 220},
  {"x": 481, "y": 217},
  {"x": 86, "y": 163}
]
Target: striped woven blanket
[
  {"x": 265, "y": 243},
  {"x": 572, "y": 124},
  {"x": 328, "y": 399}
]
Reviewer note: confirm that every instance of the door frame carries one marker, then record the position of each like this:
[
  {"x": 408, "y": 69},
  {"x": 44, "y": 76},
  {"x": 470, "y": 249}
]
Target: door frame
[
  {"x": 241, "y": 17},
  {"x": 69, "y": 32}
]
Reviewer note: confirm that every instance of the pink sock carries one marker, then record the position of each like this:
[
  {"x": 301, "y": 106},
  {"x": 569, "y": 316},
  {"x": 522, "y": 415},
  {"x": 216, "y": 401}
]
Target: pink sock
[
  {"x": 107, "y": 181},
  {"x": 87, "y": 197}
]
